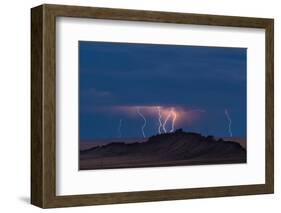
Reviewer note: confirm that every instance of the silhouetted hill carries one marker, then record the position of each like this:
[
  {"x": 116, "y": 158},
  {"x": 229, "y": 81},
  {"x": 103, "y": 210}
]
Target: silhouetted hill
[{"x": 177, "y": 148}]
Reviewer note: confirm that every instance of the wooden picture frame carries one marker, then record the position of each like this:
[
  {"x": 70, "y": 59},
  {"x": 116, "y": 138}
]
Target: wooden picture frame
[{"x": 43, "y": 105}]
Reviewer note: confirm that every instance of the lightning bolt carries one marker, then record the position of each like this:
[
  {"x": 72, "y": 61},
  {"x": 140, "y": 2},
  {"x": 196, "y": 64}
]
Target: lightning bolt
[
  {"x": 159, "y": 120},
  {"x": 166, "y": 120},
  {"x": 229, "y": 122},
  {"x": 144, "y": 121},
  {"x": 119, "y": 128},
  {"x": 174, "y": 114}
]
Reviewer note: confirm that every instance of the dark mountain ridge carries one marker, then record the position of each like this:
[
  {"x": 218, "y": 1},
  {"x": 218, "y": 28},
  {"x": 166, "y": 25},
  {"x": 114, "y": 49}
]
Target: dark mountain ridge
[{"x": 177, "y": 148}]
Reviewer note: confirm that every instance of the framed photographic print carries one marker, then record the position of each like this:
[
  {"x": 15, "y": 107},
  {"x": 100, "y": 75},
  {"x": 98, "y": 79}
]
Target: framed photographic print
[{"x": 136, "y": 106}]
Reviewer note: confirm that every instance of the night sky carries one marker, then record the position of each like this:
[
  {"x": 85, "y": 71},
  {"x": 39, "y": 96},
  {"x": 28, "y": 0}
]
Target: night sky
[{"x": 118, "y": 80}]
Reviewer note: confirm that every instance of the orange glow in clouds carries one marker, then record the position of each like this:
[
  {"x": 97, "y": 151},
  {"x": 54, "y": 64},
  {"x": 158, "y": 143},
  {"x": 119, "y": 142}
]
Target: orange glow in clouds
[{"x": 169, "y": 117}]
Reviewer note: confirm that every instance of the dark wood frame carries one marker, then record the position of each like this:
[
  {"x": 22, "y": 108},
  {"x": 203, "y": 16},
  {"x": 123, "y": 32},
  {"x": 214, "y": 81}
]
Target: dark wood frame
[{"x": 43, "y": 105}]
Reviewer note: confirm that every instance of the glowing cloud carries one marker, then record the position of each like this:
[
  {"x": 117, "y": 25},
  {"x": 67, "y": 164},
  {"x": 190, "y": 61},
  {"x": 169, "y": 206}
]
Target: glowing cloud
[{"x": 168, "y": 117}]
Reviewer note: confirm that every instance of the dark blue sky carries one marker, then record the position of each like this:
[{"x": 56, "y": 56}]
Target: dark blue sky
[{"x": 115, "y": 79}]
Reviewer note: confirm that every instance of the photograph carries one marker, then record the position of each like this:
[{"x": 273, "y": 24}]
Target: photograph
[{"x": 152, "y": 105}]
